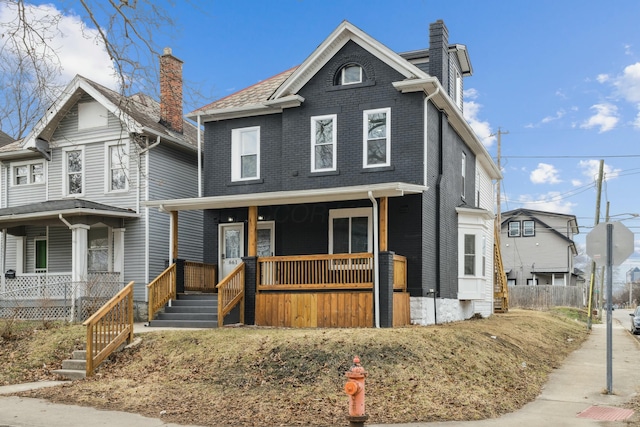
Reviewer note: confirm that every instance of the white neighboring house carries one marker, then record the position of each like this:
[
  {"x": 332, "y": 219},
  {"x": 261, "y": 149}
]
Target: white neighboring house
[{"x": 72, "y": 193}]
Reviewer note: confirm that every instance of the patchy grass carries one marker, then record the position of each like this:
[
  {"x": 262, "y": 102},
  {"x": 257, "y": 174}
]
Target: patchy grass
[{"x": 265, "y": 376}]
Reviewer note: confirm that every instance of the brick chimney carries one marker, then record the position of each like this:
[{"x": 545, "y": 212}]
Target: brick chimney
[
  {"x": 171, "y": 91},
  {"x": 439, "y": 53}
]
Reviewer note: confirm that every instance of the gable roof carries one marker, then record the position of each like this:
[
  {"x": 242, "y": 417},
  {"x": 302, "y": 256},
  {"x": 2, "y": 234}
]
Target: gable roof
[
  {"x": 139, "y": 114},
  {"x": 535, "y": 215},
  {"x": 5, "y": 139}
]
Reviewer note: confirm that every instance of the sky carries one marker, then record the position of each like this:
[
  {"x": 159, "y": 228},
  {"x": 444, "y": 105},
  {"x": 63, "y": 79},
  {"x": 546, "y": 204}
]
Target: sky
[{"x": 560, "y": 80}]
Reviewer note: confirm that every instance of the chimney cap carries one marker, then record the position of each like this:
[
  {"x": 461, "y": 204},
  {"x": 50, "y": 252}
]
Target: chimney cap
[{"x": 167, "y": 51}]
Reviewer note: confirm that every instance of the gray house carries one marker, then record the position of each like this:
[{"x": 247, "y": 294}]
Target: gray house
[
  {"x": 71, "y": 205},
  {"x": 351, "y": 189},
  {"x": 538, "y": 248}
]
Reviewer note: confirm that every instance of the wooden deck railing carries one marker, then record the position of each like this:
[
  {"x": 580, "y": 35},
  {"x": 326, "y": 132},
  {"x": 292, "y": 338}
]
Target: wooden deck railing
[
  {"x": 199, "y": 277},
  {"x": 308, "y": 272},
  {"x": 399, "y": 273},
  {"x": 109, "y": 327},
  {"x": 231, "y": 293},
  {"x": 161, "y": 290}
]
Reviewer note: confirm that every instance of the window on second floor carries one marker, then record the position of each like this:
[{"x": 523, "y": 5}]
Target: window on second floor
[
  {"x": 323, "y": 143},
  {"x": 528, "y": 228},
  {"x": 463, "y": 173},
  {"x": 351, "y": 74},
  {"x": 73, "y": 171},
  {"x": 514, "y": 228},
  {"x": 117, "y": 173},
  {"x": 28, "y": 173},
  {"x": 245, "y": 153},
  {"x": 377, "y": 138}
]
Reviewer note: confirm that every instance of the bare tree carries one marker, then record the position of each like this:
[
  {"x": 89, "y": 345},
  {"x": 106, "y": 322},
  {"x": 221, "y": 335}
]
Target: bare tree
[{"x": 30, "y": 66}]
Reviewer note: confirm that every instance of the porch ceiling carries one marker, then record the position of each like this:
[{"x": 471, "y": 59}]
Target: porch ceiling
[{"x": 357, "y": 192}]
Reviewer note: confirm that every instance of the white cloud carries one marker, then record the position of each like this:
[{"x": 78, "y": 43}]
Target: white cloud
[
  {"x": 559, "y": 114},
  {"x": 576, "y": 182},
  {"x": 78, "y": 48},
  {"x": 544, "y": 174},
  {"x": 636, "y": 122},
  {"x": 602, "y": 78},
  {"x": 481, "y": 128},
  {"x": 550, "y": 202},
  {"x": 606, "y": 117},
  {"x": 628, "y": 84},
  {"x": 591, "y": 168}
]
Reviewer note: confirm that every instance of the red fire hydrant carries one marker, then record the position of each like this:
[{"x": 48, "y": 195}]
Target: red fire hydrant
[{"x": 355, "y": 389}]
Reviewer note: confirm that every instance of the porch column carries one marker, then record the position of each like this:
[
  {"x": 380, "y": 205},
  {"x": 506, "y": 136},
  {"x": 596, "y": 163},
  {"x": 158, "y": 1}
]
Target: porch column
[
  {"x": 384, "y": 225},
  {"x": 250, "y": 280},
  {"x": 118, "y": 250},
  {"x": 79, "y": 245},
  {"x": 386, "y": 289},
  {"x": 253, "y": 231},
  {"x": 174, "y": 236}
]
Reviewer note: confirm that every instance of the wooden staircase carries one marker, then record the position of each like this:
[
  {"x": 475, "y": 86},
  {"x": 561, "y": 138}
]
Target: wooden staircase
[{"x": 193, "y": 310}]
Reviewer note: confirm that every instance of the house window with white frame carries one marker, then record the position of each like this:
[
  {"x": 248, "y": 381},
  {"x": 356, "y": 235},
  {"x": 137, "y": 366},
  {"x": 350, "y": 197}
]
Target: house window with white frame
[
  {"x": 463, "y": 174},
  {"x": 323, "y": 143},
  {"x": 514, "y": 229},
  {"x": 377, "y": 140},
  {"x": 350, "y": 230},
  {"x": 245, "y": 153},
  {"x": 74, "y": 172},
  {"x": 98, "y": 249},
  {"x": 469, "y": 254},
  {"x": 117, "y": 179},
  {"x": 351, "y": 74},
  {"x": 28, "y": 173},
  {"x": 528, "y": 228}
]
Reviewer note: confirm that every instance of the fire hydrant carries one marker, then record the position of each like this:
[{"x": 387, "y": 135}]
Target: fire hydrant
[{"x": 355, "y": 389}]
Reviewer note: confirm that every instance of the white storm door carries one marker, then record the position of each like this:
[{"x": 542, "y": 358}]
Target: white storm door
[{"x": 231, "y": 247}]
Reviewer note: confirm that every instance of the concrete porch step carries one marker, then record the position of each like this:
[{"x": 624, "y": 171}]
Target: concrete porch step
[{"x": 70, "y": 374}]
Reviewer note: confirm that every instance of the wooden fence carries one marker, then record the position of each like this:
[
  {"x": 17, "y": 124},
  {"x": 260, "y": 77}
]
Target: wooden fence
[{"x": 546, "y": 296}]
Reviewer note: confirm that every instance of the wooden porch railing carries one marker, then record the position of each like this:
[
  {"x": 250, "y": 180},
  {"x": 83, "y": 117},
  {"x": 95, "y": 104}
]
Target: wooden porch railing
[
  {"x": 109, "y": 327},
  {"x": 231, "y": 293},
  {"x": 399, "y": 273},
  {"x": 161, "y": 290},
  {"x": 308, "y": 272},
  {"x": 199, "y": 277}
]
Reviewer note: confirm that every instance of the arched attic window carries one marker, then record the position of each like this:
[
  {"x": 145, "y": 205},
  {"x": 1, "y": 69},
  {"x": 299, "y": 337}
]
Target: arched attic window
[{"x": 350, "y": 74}]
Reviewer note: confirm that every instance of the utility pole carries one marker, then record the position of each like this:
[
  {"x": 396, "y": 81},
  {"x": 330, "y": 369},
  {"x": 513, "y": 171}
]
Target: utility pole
[
  {"x": 593, "y": 263},
  {"x": 499, "y": 196}
]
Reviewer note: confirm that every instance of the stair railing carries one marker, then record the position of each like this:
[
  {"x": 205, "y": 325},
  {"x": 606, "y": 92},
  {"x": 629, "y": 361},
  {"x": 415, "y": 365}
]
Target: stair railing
[
  {"x": 231, "y": 293},
  {"x": 109, "y": 327},
  {"x": 161, "y": 290}
]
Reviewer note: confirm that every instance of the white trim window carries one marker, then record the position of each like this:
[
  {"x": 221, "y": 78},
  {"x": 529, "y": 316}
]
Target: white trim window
[
  {"x": 350, "y": 230},
  {"x": 73, "y": 171},
  {"x": 377, "y": 138},
  {"x": 469, "y": 254},
  {"x": 351, "y": 74},
  {"x": 463, "y": 174},
  {"x": 528, "y": 228},
  {"x": 117, "y": 179},
  {"x": 27, "y": 173},
  {"x": 98, "y": 253},
  {"x": 245, "y": 153},
  {"x": 323, "y": 143},
  {"x": 514, "y": 229}
]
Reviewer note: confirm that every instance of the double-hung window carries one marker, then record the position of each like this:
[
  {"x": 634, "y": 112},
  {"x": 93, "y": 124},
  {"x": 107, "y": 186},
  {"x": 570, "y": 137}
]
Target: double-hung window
[
  {"x": 245, "y": 153},
  {"x": 323, "y": 143},
  {"x": 28, "y": 173},
  {"x": 514, "y": 229},
  {"x": 377, "y": 138},
  {"x": 350, "y": 230},
  {"x": 98, "y": 249},
  {"x": 73, "y": 172},
  {"x": 528, "y": 228},
  {"x": 117, "y": 179},
  {"x": 469, "y": 254},
  {"x": 463, "y": 173}
]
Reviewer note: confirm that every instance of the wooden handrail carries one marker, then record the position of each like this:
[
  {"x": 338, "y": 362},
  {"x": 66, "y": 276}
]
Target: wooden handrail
[
  {"x": 399, "y": 273},
  {"x": 325, "y": 271},
  {"x": 231, "y": 293},
  {"x": 199, "y": 277},
  {"x": 109, "y": 327},
  {"x": 161, "y": 290}
]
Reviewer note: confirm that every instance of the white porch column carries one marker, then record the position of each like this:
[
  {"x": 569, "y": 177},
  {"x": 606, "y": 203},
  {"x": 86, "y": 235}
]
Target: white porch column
[
  {"x": 118, "y": 250},
  {"x": 79, "y": 253},
  {"x": 20, "y": 245}
]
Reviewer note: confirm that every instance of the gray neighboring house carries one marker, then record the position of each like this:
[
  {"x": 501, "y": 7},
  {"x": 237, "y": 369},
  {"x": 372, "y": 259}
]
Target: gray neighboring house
[
  {"x": 5, "y": 139},
  {"x": 538, "y": 248},
  {"x": 73, "y": 191}
]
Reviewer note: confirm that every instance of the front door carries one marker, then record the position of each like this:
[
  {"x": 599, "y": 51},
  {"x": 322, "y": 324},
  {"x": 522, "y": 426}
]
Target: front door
[
  {"x": 231, "y": 247},
  {"x": 266, "y": 242}
]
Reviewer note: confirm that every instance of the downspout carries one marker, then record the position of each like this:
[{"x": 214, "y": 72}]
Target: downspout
[
  {"x": 146, "y": 210},
  {"x": 438, "y": 202},
  {"x": 199, "y": 158},
  {"x": 376, "y": 256},
  {"x": 140, "y": 153}
]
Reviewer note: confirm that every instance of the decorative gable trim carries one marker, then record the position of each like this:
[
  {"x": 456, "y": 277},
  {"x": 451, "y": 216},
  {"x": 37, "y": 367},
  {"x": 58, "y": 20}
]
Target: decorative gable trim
[{"x": 330, "y": 47}]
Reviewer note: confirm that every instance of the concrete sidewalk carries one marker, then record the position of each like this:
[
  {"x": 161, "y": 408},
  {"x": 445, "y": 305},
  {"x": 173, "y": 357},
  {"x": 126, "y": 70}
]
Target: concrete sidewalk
[{"x": 577, "y": 386}]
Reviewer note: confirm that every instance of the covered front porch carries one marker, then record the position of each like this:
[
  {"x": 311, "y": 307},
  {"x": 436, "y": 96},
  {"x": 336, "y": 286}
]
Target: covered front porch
[{"x": 332, "y": 289}]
